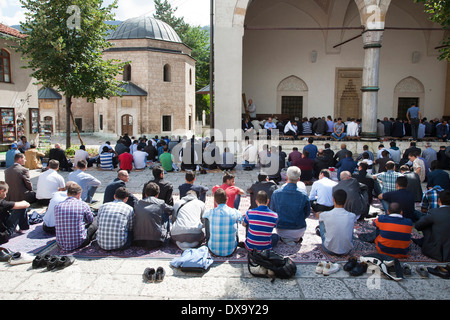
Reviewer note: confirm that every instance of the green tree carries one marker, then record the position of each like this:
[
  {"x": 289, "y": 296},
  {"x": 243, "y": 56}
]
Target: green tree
[
  {"x": 196, "y": 38},
  {"x": 64, "y": 45},
  {"x": 440, "y": 13}
]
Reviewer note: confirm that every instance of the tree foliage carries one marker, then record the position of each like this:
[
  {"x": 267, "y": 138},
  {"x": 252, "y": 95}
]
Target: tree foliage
[
  {"x": 64, "y": 43},
  {"x": 440, "y": 13},
  {"x": 196, "y": 38}
]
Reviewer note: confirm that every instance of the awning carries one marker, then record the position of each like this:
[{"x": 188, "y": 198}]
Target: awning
[
  {"x": 132, "y": 90},
  {"x": 204, "y": 90},
  {"x": 49, "y": 94}
]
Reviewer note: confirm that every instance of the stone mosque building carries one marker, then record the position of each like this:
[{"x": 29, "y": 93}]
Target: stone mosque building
[
  {"x": 160, "y": 86},
  {"x": 366, "y": 59}
]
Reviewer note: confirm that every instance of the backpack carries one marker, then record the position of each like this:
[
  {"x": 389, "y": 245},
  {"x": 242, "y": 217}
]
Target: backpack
[{"x": 269, "y": 264}]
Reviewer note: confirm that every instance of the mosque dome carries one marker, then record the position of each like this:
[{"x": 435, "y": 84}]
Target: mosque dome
[{"x": 144, "y": 27}]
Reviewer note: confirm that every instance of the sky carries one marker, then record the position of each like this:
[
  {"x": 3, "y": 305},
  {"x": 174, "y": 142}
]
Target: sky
[{"x": 195, "y": 12}]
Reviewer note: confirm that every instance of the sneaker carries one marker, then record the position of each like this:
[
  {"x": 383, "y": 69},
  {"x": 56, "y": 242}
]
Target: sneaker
[
  {"x": 406, "y": 269},
  {"x": 320, "y": 266},
  {"x": 330, "y": 268},
  {"x": 422, "y": 271}
]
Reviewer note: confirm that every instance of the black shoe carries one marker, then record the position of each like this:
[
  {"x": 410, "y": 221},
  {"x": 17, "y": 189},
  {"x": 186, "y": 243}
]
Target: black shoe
[
  {"x": 5, "y": 254},
  {"x": 149, "y": 274},
  {"x": 160, "y": 273},
  {"x": 40, "y": 261},
  {"x": 359, "y": 269},
  {"x": 439, "y": 271},
  {"x": 52, "y": 262},
  {"x": 351, "y": 263},
  {"x": 64, "y": 262}
]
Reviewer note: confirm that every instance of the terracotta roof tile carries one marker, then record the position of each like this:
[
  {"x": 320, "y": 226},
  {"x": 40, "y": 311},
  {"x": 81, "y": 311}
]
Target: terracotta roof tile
[{"x": 10, "y": 31}]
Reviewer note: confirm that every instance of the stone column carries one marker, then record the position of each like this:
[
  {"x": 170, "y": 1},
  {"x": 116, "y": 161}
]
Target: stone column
[{"x": 372, "y": 40}]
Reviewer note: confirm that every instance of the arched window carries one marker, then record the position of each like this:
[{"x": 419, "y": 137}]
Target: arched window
[
  {"x": 127, "y": 72},
  {"x": 5, "y": 66},
  {"x": 167, "y": 75}
]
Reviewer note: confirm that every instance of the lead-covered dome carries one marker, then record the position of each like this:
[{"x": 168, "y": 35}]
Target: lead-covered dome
[{"x": 144, "y": 27}]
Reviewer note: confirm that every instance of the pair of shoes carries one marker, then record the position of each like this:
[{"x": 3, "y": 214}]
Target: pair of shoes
[
  {"x": 440, "y": 271},
  {"x": 354, "y": 267},
  {"x": 422, "y": 271},
  {"x": 56, "y": 262},
  {"x": 20, "y": 258},
  {"x": 5, "y": 254},
  {"x": 150, "y": 275},
  {"x": 52, "y": 262},
  {"x": 40, "y": 261},
  {"x": 326, "y": 268}
]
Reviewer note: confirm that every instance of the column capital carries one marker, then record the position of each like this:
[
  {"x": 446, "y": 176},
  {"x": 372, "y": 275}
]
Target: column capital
[{"x": 372, "y": 38}]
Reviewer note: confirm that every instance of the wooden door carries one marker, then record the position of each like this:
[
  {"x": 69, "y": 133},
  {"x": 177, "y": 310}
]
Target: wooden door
[{"x": 127, "y": 124}]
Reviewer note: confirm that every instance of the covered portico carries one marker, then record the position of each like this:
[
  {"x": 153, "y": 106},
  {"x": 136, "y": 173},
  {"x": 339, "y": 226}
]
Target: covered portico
[{"x": 343, "y": 58}]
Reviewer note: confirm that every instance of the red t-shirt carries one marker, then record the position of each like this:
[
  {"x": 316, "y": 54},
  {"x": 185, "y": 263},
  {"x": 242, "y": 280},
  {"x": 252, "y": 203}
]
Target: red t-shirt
[
  {"x": 231, "y": 192},
  {"x": 126, "y": 161}
]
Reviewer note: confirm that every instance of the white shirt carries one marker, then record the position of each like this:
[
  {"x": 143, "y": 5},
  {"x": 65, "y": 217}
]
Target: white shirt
[
  {"x": 352, "y": 129},
  {"x": 322, "y": 190},
  {"x": 80, "y": 155},
  {"x": 49, "y": 217},
  {"x": 300, "y": 185},
  {"x": 339, "y": 224},
  {"x": 140, "y": 159},
  {"x": 49, "y": 182},
  {"x": 250, "y": 154},
  {"x": 290, "y": 127}
]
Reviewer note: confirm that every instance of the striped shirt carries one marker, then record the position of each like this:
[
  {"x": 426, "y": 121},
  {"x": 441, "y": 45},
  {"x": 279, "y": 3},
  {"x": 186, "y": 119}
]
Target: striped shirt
[
  {"x": 223, "y": 229},
  {"x": 106, "y": 161},
  {"x": 115, "y": 223},
  {"x": 395, "y": 235},
  {"x": 71, "y": 217},
  {"x": 261, "y": 221}
]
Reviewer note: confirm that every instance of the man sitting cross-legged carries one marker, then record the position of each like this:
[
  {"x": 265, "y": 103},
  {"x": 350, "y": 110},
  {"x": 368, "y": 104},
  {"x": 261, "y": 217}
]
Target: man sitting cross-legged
[
  {"x": 336, "y": 226},
  {"x": 260, "y": 223},
  {"x": 74, "y": 221},
  {"x": 115, "y": 222}
]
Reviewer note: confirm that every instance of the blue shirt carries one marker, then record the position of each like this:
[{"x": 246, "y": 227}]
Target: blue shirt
[
  {"x": 312, "y": 149},
  {"x": 10, "y": 157},
  {"x": 223, "y": 229},
  {"x": 413, "y": 112},
  {"x": 292, "y": 206},
  {"x": 84, "y": 180},
  {"x": 269, "y": 125}
]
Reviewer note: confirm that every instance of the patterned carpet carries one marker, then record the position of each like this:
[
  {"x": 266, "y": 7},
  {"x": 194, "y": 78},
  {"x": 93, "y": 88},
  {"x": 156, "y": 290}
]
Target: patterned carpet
[{"x": 309, "y": 250}]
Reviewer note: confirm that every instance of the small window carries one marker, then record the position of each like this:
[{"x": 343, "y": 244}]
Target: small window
[
  {"x": 190, "y": 76},
  {"x": 166, "y": 123},
  {"x": 5, "y": 66},
  {"x": 127, "y": 73},
  {"x": 100, "y": 122},
  {"x": 167, "y": 75}
]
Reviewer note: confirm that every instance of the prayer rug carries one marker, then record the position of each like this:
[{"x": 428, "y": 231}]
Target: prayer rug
[{"x": 309, "y": 250}]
